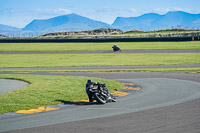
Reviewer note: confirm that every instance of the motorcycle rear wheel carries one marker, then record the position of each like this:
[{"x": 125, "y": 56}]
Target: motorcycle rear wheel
[{"x": 100, "y": 99}]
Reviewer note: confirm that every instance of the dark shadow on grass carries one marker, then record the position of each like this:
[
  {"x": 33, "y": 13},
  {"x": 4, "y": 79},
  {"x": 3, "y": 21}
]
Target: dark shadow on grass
[{"x": 77, "y": 103}]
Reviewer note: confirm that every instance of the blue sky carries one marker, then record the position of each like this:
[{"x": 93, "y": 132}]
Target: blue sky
[{"x": 19, "y": 13}]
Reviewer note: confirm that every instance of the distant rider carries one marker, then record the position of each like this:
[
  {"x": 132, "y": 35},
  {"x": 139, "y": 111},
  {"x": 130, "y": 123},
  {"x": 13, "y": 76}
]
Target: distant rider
[{"x": 116, "y": 48}]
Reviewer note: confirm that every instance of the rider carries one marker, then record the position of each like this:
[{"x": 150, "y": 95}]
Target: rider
[
  {"x": 88, "y": 91},
  {"x": 116, "y": 48}
]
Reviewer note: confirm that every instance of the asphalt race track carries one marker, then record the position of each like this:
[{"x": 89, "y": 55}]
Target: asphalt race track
[
  {"x": 168, "y": 102},
  {"x": 9, "y": 85}
]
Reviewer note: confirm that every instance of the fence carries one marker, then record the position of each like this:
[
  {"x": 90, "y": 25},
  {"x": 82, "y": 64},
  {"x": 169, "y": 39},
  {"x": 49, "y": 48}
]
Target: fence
[{"x": 149, "y": 39}]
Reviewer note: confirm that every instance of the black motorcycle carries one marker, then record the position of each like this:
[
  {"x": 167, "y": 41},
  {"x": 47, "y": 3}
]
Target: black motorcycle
[{"x": 101, "y": 94}]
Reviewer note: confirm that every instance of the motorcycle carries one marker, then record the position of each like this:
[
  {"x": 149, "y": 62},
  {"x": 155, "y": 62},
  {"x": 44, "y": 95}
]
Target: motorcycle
[
  {"x": 101, "y": 94},
  {"x": 116, "y": 48}
]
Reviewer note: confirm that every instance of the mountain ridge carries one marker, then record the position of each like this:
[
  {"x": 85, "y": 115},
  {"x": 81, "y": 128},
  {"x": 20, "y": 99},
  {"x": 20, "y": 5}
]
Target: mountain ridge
[
  {"x": 70, "y": 22},
  {"x": 152, "y": 21},
  {"x": 4, "y": 28},
  {"x": 145, "y": 22}
]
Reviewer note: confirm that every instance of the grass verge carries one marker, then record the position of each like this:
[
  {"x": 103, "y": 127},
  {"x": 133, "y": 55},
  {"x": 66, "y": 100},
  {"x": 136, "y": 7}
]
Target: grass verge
[
  {"x": 98, "y": 46},
  {"x": 47, "y": 90},
  {"x": 197, "y": 69},
  {"x": 62, "y": 60}
]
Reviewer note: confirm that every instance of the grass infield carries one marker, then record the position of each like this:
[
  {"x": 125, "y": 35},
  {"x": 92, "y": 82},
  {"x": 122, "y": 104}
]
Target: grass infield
[
  {"x": 98, "y": 46},
  {"x": 48, "y": 90},
  {"x": 196, "y": 69},
  {"x": 61, "y": 60}
]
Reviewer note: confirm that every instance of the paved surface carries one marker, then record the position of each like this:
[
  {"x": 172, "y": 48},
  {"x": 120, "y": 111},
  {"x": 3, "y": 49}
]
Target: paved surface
[
  {"x": 142, "y": 112},
  {"x": 7, "y": 85},
  {"x": 103, "y": 51},
  {"x": 180, "y": 118}
]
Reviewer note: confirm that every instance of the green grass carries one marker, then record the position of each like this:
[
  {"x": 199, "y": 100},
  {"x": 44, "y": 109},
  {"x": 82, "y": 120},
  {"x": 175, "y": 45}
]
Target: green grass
[
  {"x": 97, "y": 46},
  {"x": 196, "y": 69},
  {"x": 47, "y": 90},
  {"x": 61, "y": 60}
]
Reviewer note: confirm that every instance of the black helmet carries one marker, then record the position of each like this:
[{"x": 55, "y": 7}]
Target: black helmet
[{"x": 89, "y": 81}]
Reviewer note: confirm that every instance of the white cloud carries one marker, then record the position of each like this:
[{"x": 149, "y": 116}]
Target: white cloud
[
  {"x": 58, "y": 11},
  {"x": 62, "y": 10},
  {"x": 165, "y": 10},
  {"x": 133, "y": 10},
  {"x": 161, "y": 10}
]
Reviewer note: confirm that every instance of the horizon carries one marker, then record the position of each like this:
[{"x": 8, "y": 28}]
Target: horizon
[{"x": 21, "y": 12}]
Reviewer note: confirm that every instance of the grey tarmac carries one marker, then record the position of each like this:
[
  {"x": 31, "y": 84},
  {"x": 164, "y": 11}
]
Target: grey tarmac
[
  {"x": 168, "y": 102},
  {"x": 9, "y": 85}
]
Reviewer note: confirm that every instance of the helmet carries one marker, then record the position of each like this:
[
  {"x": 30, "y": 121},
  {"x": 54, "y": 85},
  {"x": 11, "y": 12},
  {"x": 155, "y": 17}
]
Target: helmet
[{"x": 89, "y": 81}]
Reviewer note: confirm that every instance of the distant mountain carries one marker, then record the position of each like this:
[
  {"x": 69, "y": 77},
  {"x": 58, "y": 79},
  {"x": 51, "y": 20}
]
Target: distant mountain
[
  {"x": 152, "y": 21},
  {"x": 71, "y": 22},
  {"x": 74, "y": 22},
  {"x": 6, "y": 28}
]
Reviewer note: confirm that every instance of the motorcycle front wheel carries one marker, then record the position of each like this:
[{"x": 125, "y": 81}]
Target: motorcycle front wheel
[{"x": 100, "y": 99}]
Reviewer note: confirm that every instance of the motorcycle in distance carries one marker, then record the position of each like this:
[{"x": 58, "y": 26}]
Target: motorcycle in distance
[
  {"x": 116, "y": 48},
  {"x": 101, "y": 94}
]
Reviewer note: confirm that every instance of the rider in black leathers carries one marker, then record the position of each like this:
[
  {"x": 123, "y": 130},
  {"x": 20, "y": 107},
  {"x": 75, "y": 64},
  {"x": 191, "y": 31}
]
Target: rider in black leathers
[{"x": 88, "y": 91}]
